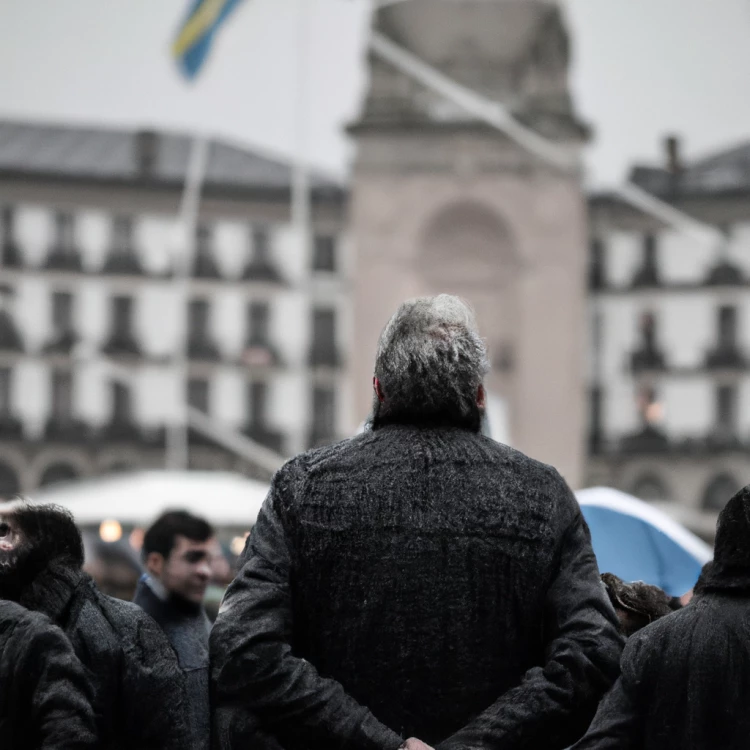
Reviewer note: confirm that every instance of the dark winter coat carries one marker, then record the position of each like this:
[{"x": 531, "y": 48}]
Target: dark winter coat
[
  {"x": 139, "y": 689},
  {"x": 45, "y": 697},
  {"x": 187, "y": 626},
  {"x": 686, "y": 679},
  {"x": 414, "y": 581}
]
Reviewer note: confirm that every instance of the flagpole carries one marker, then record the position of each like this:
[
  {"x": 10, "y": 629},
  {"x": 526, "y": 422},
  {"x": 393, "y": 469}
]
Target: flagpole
[
  {"x": 177, "y": 450},
  {"x": 300, "y": 193}
]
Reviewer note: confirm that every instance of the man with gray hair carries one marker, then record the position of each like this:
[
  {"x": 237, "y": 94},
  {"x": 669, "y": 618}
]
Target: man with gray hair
[{"x": 417, "y": 581}]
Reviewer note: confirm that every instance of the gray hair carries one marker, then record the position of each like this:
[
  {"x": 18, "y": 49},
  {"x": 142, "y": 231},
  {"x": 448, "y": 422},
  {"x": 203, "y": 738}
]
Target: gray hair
[{"x": 430, "y": 364}]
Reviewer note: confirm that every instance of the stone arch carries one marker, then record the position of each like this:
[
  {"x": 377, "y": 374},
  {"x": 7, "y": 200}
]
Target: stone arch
[
  {"x": 719, "y": 490},
  {"x": 467, "y": 249},
  {"x": 10, "y": 483},
  {"x": 60, "y": 471},
  {"x": 651, "y": 487}
]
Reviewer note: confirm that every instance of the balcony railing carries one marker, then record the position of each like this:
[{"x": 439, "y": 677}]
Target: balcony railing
[
  {"x": 324, "y": 356},
  {"x": 262, "y": 271},
  {"x": 123, "y": 262},
  {"x": 647, "y": 359},
  {"x": 271, "y": 439},
  {"x": 64, "y": 259},
  {"x": 66, "y": 430},
  {"x": 725, "y": 273},
  {"x": 205, "y": 267},
  {"x": 10, "y": 338},
  {"x": 725, "y": 357},
  {"x": 10, "y": 255},
  {"x": 121, "y": 429},
  {"x": 203, "y": 349},
  {"x": 122, "y": 344},
  {"x": 646, "y": 276},
  {"x": 10, "y": 428},
  {"x": 62, "y": 343}
]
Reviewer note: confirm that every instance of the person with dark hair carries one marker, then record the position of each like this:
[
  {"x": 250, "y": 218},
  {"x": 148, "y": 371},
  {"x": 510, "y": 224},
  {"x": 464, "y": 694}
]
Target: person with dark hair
[
  {"x": 638, "y": 604},
  {"x": 685, "y": 678},
  {"x": 177, "y": 550},
  {"x": 417, "y": 581},
  {"x": 139, "y": 691},
  {"x": 45, "y": 697}
]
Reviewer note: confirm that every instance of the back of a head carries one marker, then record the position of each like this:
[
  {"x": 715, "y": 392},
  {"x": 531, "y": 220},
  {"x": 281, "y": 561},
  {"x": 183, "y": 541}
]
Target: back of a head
[
  {"x": 731, "y": 563},
  {"x": 50, "y": 533},
  {"x": 637, "y": 604},
  {"x": 430, "y": 364},
  {"x": 162, "y": 534}
]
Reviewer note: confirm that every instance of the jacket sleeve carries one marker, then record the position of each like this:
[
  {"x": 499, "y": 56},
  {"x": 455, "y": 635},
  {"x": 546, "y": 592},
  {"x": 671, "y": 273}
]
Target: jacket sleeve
[
  {"x": 59, "y": 693},
  {"x": 554, "y": 703},
  {"x": 618, "y": 724},
  {"x": 254, "y": 670}
]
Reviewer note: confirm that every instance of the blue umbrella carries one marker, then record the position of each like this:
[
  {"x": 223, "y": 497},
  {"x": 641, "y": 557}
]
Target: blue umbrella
[{"x": 638, "y": 542}]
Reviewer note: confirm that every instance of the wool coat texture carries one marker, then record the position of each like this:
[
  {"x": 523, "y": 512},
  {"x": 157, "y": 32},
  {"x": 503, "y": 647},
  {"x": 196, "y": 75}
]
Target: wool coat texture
[
  {"x": 45, "y": 696},
  {"x": 414, "y": 581},
  {"x": 187, "y": 626},
  {"x": 686, "y": 678},
  {"x": 139, "y": 690}
]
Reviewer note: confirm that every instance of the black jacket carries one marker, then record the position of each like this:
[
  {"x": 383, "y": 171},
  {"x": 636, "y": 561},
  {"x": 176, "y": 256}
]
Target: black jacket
[
  {"x": 139, "y": 690},
  {"x": 45, "y": 698},
  {"x": 187, "y": 626},
  {"x": 414, "y": 581},
  {"x": 686, "y": 679}
]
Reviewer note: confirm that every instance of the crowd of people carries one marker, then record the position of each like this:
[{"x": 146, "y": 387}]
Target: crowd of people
[{"x": 417, "y": 586}]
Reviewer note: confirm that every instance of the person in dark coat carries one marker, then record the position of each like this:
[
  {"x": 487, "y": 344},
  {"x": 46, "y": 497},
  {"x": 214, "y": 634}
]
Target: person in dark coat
[
  {"x": 177, "y": 549},
  {"x": 638, "y": 604},
  {"x": 139, "y": 690},
  {"x": 45, "y": 697},
  {"x": 418, "y": 581},
  {"x": 685, "y": 678}
]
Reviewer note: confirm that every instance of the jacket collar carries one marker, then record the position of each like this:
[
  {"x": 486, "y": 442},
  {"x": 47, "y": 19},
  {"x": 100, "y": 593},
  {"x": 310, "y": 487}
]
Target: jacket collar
[{"x": 52, "y": 590}]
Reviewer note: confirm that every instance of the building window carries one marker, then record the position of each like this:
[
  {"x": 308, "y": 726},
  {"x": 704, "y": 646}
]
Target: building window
[
  {"x": 727, "y": 327},
  {"x": 58, "y": 473},
  {"x": 650, "y": 407},
  {"x": 122, "y": 234},
  {"x": 62, "y": 312},
  {"x": 648, "y": 273},
  {"x": 647, "y": 356},
  {"x": 258, "y": 323},
  {"x": 597, "y": 264},
  {"x": 258, "y": 403},
  {"x": 62, "y": 396},
  {"x": 323, "y": 351},
  {"x": 324, "y": 253},
  {"x": 10, "y": 257},
  {"x": 6, "y": 393},
  {"x": 121, "y": 403},
  {"x": 726, "y": 410},
  {"x": 595, "y": 419},
  {"x": 198, "y": 319},
  {"x": 205, "y": 265},
  {"x": 651, "y": 488},
  {"x": 323, "y": 415},
  {"x": 198, "y": 394},
  {"x": 261, "y": 246},
  {"x": 122, "y": 316},
  {"x": 9, "y": 484},
  {"x": 65, "y": 232},
  {"x": 719, "y": 491}
]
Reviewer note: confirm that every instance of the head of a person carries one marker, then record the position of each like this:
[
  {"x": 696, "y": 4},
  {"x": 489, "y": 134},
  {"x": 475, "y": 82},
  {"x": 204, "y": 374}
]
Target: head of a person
[
  {"x": 730, "y": 568},
  {"x": 177, "y": 549},
  {"x": 32, "y": 538},
  {"x": 637, "y": 604},
  {"x": 430, "y": 366}
]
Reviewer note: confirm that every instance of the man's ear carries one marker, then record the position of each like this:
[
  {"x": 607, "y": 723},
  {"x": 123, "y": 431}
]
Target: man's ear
[
  {"x": 155, "y": 563},
  {"x": 378, "y": 390},
  {"x": 481, "y": 397}
]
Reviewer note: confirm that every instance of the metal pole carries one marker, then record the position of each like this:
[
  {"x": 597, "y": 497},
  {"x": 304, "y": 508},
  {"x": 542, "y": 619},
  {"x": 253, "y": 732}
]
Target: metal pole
[{"x": 177, "y": 430}]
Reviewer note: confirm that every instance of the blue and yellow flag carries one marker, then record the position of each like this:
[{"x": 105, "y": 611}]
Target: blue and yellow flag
[{"x": 194, "y": 39}]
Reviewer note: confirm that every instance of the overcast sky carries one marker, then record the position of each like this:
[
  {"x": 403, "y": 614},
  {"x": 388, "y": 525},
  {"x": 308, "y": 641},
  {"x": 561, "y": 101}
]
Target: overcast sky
[{"x": 642, "y": 68}]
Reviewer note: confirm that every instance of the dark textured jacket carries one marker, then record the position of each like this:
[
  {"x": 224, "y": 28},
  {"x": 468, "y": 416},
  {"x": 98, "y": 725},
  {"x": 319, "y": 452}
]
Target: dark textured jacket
[
  {"x": 139, "y": 690},
  {"x": 414, "y": 581},
  {"x": 686, "y": 679},
  {"x": 187, "y": 626},
  {"x": 45, "y": 698}
]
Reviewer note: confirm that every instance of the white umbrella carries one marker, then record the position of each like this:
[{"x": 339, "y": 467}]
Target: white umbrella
[{"x": 222, "y": 498}]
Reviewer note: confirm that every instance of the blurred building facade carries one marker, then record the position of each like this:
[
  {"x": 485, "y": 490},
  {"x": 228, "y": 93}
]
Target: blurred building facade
[
  {"x": 670, "y": 339},
  {"x": 87, "y": 242},
  {"x": 443, "y": 203}
]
